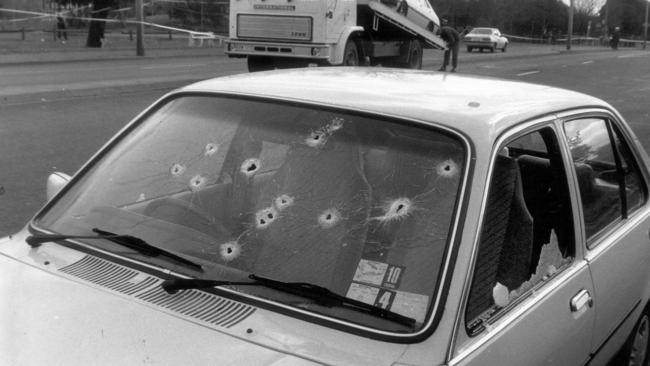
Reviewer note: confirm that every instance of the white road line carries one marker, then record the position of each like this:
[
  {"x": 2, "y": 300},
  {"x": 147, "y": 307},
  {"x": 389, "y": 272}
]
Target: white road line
[
  {"x": 170, "y": 66},
  {"x": 528, "y": 73},
  {"x": 633, "y": 55},
  {"x": 588, "y": 62}
]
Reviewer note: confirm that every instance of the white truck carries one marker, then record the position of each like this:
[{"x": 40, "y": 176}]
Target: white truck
[{"x": 294, "y": 33}]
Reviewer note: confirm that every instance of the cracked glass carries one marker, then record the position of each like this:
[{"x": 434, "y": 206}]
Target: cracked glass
[{"x": 359, "y": 204}]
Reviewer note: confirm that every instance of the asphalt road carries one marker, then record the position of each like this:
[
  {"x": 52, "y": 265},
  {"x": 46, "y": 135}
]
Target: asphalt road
[{"x": 54, "y": 116}]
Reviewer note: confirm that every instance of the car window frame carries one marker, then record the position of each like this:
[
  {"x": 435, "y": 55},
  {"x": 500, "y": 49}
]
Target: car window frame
[
  {"x": 462, "y": 344},
  {"x": 600, "y": 238}
]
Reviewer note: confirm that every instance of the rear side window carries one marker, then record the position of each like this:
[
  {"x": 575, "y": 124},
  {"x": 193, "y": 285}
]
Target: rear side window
[{"x": 609, "y": 181}]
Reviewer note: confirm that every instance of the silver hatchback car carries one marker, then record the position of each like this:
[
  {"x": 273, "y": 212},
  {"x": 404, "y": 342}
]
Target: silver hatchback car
[{"x": 342, "y": 216}]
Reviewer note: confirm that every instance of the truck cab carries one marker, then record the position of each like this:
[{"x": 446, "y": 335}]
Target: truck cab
[{"x": 292, "y": 33}]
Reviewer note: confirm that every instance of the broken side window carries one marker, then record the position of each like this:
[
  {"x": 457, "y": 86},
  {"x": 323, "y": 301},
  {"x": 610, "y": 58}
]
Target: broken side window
[{"x": 527, "y": 234}]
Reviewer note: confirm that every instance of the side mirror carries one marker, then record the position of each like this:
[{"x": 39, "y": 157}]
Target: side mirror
[{"x": 55, "y": 182}]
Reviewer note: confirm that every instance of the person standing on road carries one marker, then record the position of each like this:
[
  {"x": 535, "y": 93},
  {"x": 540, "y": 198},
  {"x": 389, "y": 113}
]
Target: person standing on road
[
  {"x": 452, "y": 38},
  {"x": 616, "y": 36},
  {"x": 61, "y": 34}
]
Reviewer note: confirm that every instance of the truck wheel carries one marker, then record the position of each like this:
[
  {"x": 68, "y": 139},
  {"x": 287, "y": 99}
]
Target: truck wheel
[
  {"x": 415, "y": 55},
  {"x": 351, "y": 53},
  {"x": 494, "y": 47},
  {"x": 260, "y": 63},
  {"x": 505, "y": 45},
  {"x": 469, "y": 49}
]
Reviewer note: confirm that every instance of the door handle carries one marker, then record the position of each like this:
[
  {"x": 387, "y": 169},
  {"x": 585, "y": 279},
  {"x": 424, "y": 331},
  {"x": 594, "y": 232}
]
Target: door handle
[{"x": 580, "y": 300}]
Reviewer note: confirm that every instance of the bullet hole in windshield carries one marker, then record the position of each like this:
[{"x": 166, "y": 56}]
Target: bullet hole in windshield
[
  {"x": 211, "y": 149},
  {"x": 283, "y": 201},
  {"x": 177, "y": 169},
  {"x": 316, "y": 139},
  {"x": 396, "y": 210},
  {"x": 319, "y": 137},
  {"x": 197, "y": 183},
  {"x": 230, "y": 250},
  {"x": 250, "y": 166},
  {"x": 266, "y": 216},
  {"x": 329, "y": 218},
  {"x": 447, "y": 169}
]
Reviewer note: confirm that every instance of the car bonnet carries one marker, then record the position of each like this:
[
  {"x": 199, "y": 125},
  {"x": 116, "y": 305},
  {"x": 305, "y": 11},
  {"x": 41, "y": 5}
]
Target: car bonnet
[{"x": 55, "y": 309}]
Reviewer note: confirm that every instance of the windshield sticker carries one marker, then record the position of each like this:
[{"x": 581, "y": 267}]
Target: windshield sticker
[
  {"x": 411, "y": 305},
  {"x": 230, "y": 250},
  {"x": 250, "y": 166},
  {"x": 329, "y": 218},
  {"x": 378, "y": 274},
  {"x": 141, "y": 197},
  {"x": 405, "y": 303},
  {"x": 363, "y": 293},
  {"x": 385, "y": 299},
  {"x": 370, "y": 272},
  {"x": 265, "y": 216},
  {"x": 447, "y": 169},
  {"x": 211, "y": 149}
]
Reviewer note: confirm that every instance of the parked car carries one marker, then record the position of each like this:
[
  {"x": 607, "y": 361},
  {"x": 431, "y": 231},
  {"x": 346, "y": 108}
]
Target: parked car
[
  {"x": 308, "y": 216},
  {"x": 485, "y": 38}
]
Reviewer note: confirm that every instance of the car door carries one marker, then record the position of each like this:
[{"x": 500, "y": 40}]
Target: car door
[
  {"x": 529, "y": 302},
  {"x": 614, "y": 218},
  {"x": 499, "y": 39}
]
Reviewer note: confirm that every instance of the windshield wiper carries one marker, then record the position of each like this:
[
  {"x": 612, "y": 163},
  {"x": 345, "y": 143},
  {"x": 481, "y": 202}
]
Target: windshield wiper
[
  {"x": 128, "y": 241},
  {"x": 321, "y": 295}
]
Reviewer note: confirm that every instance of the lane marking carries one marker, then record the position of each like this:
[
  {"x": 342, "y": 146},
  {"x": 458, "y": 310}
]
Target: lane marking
[
  {"x": 171, "y": 66},
  {"x": 588, "y": 62},
  {"x": 529, "y": 73},
  {"x": 633, "y": 55}
]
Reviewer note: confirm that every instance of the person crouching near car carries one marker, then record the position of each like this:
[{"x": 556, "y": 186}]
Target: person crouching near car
[{"x": 452, "y": 38}]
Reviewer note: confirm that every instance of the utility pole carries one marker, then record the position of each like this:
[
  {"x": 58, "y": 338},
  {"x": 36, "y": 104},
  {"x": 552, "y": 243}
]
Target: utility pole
[
  {"x": 645, "y": 25},
  {"x": 139, "y": 33},
  {"x": 570, "y": 31}
]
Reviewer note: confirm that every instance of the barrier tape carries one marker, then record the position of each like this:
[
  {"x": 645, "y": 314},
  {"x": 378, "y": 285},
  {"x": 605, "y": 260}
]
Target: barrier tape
[
  {"x": 211, "y": 35},
  {"x": 192, "y": 34}
]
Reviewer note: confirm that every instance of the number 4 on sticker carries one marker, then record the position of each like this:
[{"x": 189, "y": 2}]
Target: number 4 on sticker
[{"x": 385, "y": 299}]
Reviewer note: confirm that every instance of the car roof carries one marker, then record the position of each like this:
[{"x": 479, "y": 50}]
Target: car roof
[{"x": 477, "y": 106}]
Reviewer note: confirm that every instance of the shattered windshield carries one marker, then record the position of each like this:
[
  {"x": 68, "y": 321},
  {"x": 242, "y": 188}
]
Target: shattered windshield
[{"x": 360, "y": 205}]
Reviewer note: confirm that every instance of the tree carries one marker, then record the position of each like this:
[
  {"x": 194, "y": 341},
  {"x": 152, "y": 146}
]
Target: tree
[
  {"x": 627, "y": 14},
  {"x": 100, "y": 10}
]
